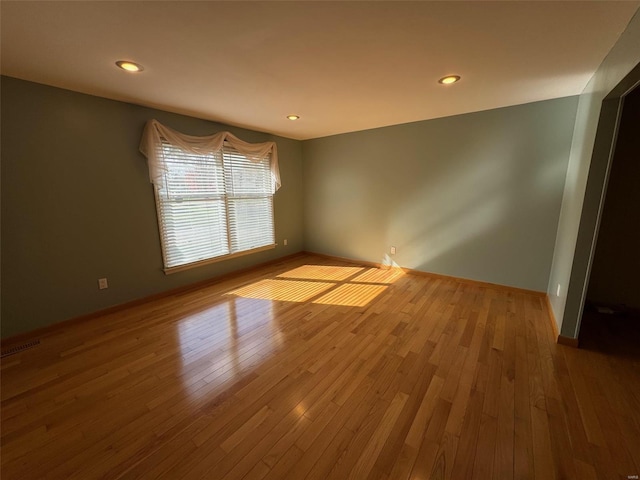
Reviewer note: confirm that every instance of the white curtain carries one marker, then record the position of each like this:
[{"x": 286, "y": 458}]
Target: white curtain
[{"x": 154, "y": 132}]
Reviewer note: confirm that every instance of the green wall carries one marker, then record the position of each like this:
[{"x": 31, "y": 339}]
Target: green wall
[
  {"x": 475, "y": 196},
  {"x": 77, "y": 205}
]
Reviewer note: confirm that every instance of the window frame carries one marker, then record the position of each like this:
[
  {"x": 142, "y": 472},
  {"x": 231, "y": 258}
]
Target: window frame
[{"x": 226, "y": 198}]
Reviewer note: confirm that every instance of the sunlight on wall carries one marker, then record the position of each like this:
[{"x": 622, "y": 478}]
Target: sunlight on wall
[
  {"x": 470, "y": 201},
  {"x": 461, "y": 227},
  {"x": 388, "y": 262}
]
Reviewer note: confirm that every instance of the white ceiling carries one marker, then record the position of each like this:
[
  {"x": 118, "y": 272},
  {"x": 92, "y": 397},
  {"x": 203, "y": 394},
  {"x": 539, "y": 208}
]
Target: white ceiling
[{"x": 341, "y": 66}]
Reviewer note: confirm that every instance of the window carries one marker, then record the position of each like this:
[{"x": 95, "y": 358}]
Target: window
[{"x": 212, "y": 203}]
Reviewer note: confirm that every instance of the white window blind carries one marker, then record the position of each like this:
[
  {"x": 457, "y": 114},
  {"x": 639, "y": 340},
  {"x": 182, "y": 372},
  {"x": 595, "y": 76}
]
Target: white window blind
[{"x": 213, "y": 205}]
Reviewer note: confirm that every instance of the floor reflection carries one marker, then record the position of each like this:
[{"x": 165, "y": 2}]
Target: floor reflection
[{"x": 225, "y": 342}]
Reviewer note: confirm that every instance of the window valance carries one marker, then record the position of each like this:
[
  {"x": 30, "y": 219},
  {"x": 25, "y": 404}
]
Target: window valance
[{"x": 155, "y": 133}]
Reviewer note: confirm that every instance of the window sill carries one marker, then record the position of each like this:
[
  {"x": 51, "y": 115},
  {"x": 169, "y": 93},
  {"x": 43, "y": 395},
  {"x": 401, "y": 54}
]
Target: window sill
[{"x": 189, "y": 266}]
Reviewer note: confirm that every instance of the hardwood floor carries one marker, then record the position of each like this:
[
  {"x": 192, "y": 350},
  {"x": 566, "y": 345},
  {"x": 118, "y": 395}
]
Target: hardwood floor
[{"x": 318, "y": 369}]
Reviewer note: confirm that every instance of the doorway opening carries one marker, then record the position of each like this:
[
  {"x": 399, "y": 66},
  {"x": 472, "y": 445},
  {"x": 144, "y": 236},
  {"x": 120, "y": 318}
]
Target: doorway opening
[{"x": 611, "y": 316}]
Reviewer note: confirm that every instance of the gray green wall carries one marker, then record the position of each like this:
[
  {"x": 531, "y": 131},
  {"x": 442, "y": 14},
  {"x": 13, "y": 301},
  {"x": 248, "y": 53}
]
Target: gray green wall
[
  {"x": 475, "y": 196},
  {"x": 77, "y": 205},
  {"x": 567, "y": 306}
]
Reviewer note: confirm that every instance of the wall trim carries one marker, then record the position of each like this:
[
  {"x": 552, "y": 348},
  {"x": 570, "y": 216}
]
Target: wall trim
[
  {"x": 477, "y": 283},
  {"x": 64, "y": 324},
  {"x": 363, "y": 263},
  {"x": 552, "y": 319},
  {"x": 561, "y": 339},
  {"x": 433, "y": 275},
  {"x": 568, "y": 341},
  {"x": 54, "y": 328}
]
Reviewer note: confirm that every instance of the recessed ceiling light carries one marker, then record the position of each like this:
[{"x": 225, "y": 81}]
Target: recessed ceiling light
[
  {"x": 449, "y": 79},
  {"x": 293, "y": 117},
  {"x": 129, "y": 66}
]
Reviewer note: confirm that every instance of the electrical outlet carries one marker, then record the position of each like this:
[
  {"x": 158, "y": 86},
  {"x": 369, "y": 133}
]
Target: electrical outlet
[
  {"x": 102, "y": 283},
  {"x": 393, "y": 250},
  {"x": 558, "y": 291},
  {"x": 285, "y": 242}
]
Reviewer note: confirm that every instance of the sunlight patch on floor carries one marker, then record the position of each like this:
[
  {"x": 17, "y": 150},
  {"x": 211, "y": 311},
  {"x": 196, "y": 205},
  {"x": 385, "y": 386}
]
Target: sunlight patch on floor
[
  {"x": 321, "y": 272},
  {"x": 323, "y": 284},
  {"x": 282, "y": 290}
]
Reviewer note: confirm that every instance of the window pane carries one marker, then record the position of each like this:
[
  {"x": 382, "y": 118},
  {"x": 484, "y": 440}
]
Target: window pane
[
  {"x": 193, "y": 230},
  {"x": 251, "y": 221},
  {"x": 191, "y": 175},
  {"x": 246, "y": 177}
]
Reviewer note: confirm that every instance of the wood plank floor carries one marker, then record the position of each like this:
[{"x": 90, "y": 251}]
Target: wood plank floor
[{"x": 314, "y": 369}]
